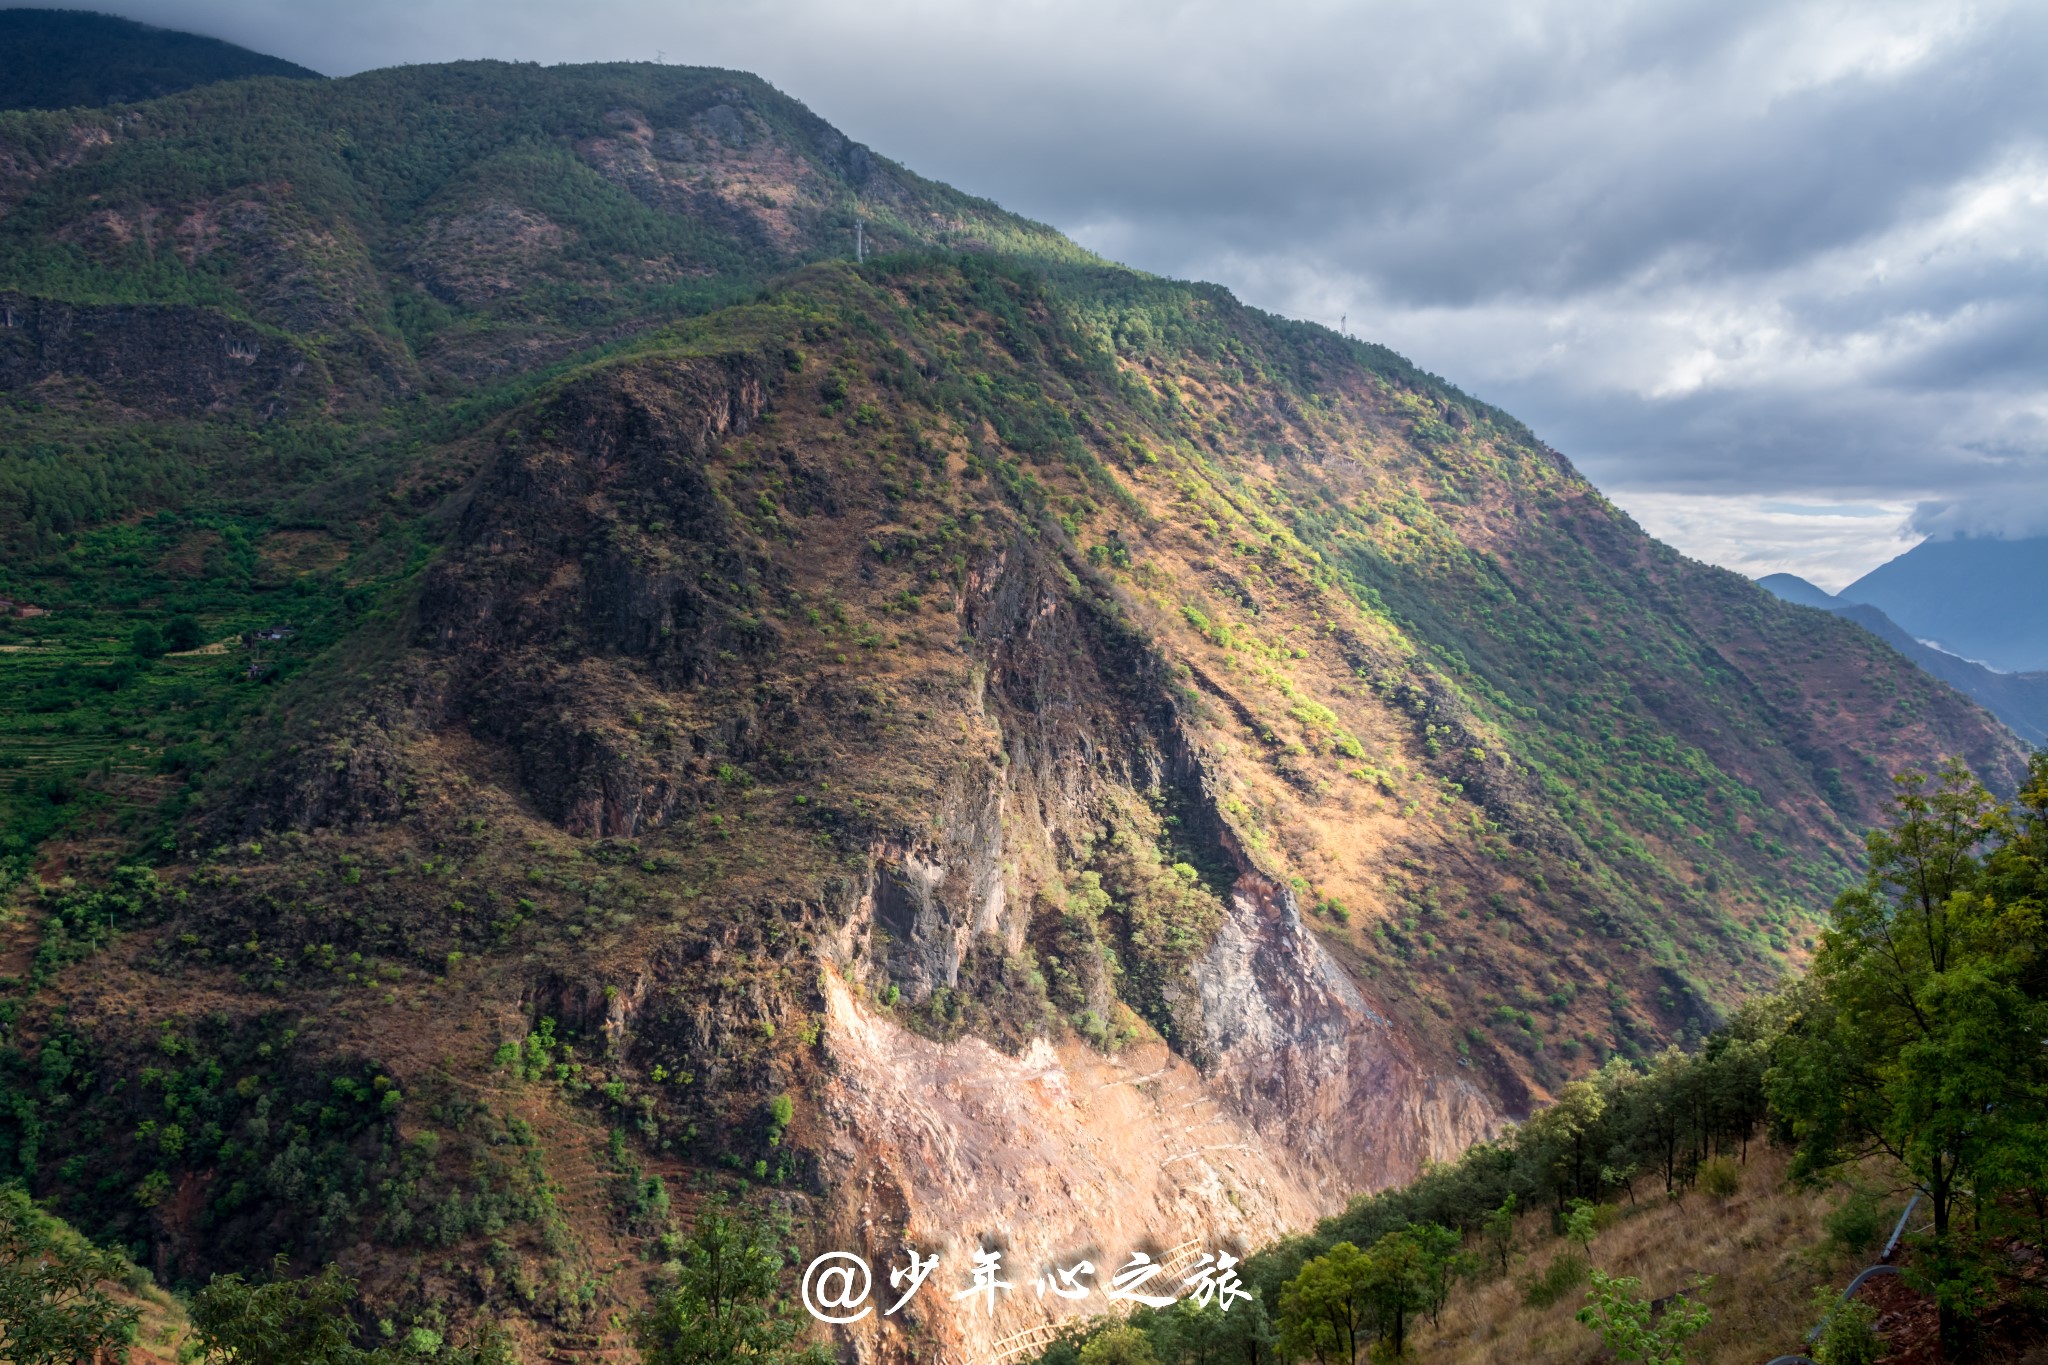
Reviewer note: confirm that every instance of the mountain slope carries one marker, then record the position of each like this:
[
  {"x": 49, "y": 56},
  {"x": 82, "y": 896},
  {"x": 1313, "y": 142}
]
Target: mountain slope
[
  {"x": 2018, "y": 699},
  {"x": 60, "y": 59},
  {"x": 1958, "y": 593},
  {"x": 1126, "y": 769}
]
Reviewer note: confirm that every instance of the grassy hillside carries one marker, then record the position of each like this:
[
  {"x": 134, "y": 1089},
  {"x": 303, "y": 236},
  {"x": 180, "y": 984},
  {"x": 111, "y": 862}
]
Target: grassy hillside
[{"x": 682, "y": 616}]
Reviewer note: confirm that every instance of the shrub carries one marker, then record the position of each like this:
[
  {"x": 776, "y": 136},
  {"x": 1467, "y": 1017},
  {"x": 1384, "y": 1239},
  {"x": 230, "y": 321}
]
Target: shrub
[
  {"x": 52, "y": 1308},
  {"x": 146, "y": 643},
  {"x": 1850, "y": 1334},
  {"x": 1854, "y": 1225},
  {"x": 1566, "y": 1272},
  {"x": 1631, "y": 1330},
  {"x": 1581, "y": 1225},
  {"x": 1720, "y": 1177},
  {"x": 1119, "y": 1346}
]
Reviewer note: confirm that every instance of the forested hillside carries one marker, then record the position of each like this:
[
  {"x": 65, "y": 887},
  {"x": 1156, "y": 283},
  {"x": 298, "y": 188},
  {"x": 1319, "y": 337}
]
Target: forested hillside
[{"x": 541, "y": 693}]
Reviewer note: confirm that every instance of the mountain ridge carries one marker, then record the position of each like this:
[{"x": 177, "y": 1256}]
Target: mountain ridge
[{"x": 57, "y": 58}]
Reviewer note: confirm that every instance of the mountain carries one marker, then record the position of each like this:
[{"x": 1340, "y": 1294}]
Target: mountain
[
  {"x": 2018, "y": 699},
  {"x": 556, "y": 691},
  {"x": 1970, "y": 596},
  {"x": 1793, "y": 588},
  {"x": 60, "y": 59}
]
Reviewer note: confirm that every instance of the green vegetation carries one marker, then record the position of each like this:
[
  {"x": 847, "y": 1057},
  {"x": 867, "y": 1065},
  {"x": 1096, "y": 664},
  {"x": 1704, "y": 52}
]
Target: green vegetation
[
  {"x": 1918, "y": 1034},
  {"x": 1345, "y": 1299},
  {"x": 308, "y": 1322},
  {"x": 723, "y": 1300},
  {"x": 1849, "y": 1336},
  {"x": 53, "y": 1308},
  {"x": 1627, "y": 1326}
]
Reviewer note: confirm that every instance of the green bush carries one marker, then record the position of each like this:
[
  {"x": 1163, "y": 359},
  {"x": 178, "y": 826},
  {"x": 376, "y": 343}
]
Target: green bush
[
  {"x": 1566, "y": 1272},
  {"x": 52, "y": 1309},
  {"x": 1119, "y": 1346},
  {"x": 1850, "y": 1336},
  {"x": 1720, "y": 1177},
  {"x": 183, "y": 633},
  {"x": 1854, "y": 1225},
  {"x": 1630, "y": 1328}
]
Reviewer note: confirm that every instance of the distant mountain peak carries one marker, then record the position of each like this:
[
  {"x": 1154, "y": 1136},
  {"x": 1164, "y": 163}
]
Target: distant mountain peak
[
  {"x": 1980, "y": 598},
  {"x": 1792, "y": 588}
]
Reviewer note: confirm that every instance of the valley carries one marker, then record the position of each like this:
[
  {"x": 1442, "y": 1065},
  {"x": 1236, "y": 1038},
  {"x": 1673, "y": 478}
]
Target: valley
[{"x": 979, "y": 745}]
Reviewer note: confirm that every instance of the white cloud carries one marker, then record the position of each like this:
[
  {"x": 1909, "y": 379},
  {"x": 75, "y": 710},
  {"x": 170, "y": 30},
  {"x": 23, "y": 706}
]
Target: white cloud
[{"x": 1829, "y": 547}]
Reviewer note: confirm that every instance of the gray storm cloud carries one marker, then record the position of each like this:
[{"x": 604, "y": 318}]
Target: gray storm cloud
[{"x": 1714, "y": 250}]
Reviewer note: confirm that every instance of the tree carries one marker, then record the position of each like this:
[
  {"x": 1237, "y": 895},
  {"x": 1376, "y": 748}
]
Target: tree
[
  {"x": 303, "y": 1321},
  {"x": 1500, "y": 1232},
  {"x": 52, "y": 1308},
  {"x": 145, "y": 642},
  {"x": 1914, "y": 1036},
  {"x": 1324, "y": 1311},
  {"x": 306, "y": 1321},
  {"x": 1565, "y": 1137},
  {"x": 726, "y": 1303},
  {"x": 1119, "y": 1346},
  {"x": 182, "y": 634},
  {"x": 1580, "y": 1225},
  {"x": 1402, "y": 1273},
  {"x": 1443, "y": 1261},
  {"x": 1622, "y": 1317},
  {"x": 1205, "y": 1334}
]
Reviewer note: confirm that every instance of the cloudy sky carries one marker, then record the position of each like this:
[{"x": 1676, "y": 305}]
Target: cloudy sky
[{"x": 1775, "y": 275}]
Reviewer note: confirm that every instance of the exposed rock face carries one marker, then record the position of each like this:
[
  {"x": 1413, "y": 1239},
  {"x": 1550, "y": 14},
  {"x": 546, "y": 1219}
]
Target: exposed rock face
[
  {"x": 167, "y": 357},
  {"x": 1056, "y": 1155},
  {"x": 1061, "y": 1154},
  {"x": 1324, "y": 1077},
  {"x": 549, "y": 561}
]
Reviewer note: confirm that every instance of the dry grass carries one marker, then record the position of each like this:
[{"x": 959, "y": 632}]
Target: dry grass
[{"x": 1765, "y": 1247}]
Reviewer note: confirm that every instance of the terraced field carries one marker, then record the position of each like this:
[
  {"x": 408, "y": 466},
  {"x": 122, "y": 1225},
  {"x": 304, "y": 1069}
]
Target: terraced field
[{"x": 101, "y": 732}]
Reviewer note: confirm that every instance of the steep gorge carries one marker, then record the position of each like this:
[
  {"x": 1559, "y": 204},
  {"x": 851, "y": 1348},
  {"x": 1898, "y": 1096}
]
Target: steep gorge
[{"x": 1130, "y": 770}]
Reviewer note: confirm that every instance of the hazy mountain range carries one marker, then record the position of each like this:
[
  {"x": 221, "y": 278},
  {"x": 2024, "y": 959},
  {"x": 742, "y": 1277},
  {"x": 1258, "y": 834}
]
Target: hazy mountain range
[{"x": 1981, "y": 592}]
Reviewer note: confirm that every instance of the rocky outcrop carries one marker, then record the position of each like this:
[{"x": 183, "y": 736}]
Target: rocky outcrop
[
  {"x": 158, "y": 357},
  {"x": 1054, "y": 1156},
  {"x": 1320, "y": 1073},
  {"x": 601, "y": 533}
]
